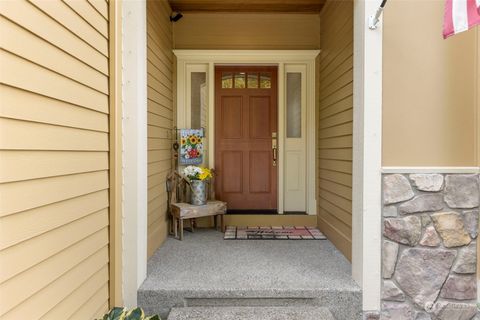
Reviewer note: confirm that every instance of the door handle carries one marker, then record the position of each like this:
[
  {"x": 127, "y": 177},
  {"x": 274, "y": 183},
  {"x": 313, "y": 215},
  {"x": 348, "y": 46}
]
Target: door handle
[{"x": 274, "y": 148}]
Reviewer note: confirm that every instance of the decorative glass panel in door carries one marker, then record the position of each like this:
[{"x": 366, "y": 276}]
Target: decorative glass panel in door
[
  {"x": 239, "y": 80},
  {"x": 227, "y": 80},
  {"x": 265, "y": 80},
  {"x": 252, "y": 80}
]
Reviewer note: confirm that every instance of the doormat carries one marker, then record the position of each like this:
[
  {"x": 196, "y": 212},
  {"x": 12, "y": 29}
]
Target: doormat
[{"x": 273, "y": 233}]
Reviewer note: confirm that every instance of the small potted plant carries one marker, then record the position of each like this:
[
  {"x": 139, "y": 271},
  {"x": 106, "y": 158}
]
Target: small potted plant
[
  {"x": 125, "y": 314},
  {"x": 197, "y": 178}
]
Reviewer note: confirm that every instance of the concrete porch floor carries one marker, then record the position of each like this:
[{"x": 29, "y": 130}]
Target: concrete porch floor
[{"x": 205, "y": 270}]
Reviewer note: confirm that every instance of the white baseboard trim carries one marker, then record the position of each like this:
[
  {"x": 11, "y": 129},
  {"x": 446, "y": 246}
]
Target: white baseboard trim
[{"x": 430, "y": 169}]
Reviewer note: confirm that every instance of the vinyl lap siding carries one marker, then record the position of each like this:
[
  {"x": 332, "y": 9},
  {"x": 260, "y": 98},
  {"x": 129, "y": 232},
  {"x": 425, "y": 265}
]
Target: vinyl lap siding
[
  {"x": 335, "y": 125},
  {"x": 54, "y": 133},
  {"x": 160, "y": 117},
  {"x": 201, "y": 30}
]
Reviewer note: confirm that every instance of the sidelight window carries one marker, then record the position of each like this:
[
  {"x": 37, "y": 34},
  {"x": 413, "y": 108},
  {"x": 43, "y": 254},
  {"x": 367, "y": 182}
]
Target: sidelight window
[
  {"x": 294, "y": 105},
  {"x": 198, "y": 99}
]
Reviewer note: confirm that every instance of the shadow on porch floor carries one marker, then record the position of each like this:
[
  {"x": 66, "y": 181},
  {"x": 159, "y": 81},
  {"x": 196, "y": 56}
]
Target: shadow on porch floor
[{"x": 205, "y": 270}]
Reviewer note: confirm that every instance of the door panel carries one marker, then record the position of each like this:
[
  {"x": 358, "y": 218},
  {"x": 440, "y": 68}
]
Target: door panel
[
  {"x": 259, "y": 110},
  {"x": 245, "y": 119},
  {"x": 260, "y": 173},
  {"x": 232, "y": 162},
  {"x": 231, "y": 111}
]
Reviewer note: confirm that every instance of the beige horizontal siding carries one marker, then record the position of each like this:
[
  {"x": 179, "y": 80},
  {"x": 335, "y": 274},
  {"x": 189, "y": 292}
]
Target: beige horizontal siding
[
  {"x": 47, "y": 28},
  {"x": 16, "y": 104},
  {"x": 335, "y": 124},
  {"x": 160, "y": 117},
  {"x": 253, "y": 31},
  {"x": 54, "y": 159}
]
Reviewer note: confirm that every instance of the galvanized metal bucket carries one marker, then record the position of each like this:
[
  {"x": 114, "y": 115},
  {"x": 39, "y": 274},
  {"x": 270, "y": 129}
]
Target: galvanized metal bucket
[{"x": 199, "y": 192}]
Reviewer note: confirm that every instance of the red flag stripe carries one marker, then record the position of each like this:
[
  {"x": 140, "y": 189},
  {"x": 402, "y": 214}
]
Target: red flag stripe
[
  {"x": 448, "y": 28},
  {"x": 473, "y": 14}
]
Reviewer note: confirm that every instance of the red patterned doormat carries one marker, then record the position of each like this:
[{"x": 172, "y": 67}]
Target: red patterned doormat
[{"x": 273, "y": 233}]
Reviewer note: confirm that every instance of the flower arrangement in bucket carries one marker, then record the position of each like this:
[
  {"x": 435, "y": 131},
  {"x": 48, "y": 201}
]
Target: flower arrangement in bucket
[{"x": 197, "y": 178}]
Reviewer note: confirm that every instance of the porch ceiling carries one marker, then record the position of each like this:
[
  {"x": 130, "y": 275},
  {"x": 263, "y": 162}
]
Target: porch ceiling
[{"x": 307, "y": 6}]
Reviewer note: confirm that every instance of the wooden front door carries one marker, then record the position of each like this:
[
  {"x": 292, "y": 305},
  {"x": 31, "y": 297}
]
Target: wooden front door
[{"x": 245, "y": 126}]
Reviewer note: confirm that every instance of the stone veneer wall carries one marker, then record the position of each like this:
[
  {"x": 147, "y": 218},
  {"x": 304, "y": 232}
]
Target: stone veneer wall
[{"x": 429, "y": 258}]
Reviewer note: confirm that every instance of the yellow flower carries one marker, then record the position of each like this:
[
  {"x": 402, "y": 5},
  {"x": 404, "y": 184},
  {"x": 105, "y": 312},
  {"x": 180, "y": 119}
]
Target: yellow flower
[
  {"x": 183, "y": 141},
  {"x": 205, "y": 174},
  {"x": 193, "y": 139}
]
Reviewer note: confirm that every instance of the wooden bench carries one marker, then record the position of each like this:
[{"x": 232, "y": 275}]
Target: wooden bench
[
  {"x": 183, "y": 211},
  {"x": 179, "y": 210}
]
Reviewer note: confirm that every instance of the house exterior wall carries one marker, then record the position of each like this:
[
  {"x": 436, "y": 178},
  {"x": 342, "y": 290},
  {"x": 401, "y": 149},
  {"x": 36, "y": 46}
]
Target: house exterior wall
[
  {"x": 431, "y": 111},
  {"x": 247, "y": 31},
  {"x": 160, "y": 118},
  {"x": 430, "y": 89},
  {"x": 335, "y": 125},
  {"x": 54, "y": 159}
]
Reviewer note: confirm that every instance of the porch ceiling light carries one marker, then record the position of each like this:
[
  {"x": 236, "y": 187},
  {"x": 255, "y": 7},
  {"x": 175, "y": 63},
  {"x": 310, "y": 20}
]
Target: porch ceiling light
[{"x": 175, "y": 16}]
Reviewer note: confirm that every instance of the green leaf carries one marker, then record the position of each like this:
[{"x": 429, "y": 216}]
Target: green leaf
[
  {"x": 153, "y": 318},
  {"x": 115, "y": 314},
  {"x": 118, "y": 313},
  {"x": 135, "y": 314}
]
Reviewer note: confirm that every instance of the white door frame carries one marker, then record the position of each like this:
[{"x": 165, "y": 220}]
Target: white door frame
[{"x": 280, "y": 58}]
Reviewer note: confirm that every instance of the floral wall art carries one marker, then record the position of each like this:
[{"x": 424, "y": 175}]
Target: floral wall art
[{"x": 191, "y": 147}]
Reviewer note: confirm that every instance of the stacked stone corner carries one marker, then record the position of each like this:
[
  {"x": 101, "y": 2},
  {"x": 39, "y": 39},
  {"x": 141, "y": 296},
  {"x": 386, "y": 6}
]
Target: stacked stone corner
[{"x": 429, "y": 249}]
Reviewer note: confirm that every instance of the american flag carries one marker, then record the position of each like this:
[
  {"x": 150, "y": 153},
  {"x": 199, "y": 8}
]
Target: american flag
[{"x": 460, "y": 15}]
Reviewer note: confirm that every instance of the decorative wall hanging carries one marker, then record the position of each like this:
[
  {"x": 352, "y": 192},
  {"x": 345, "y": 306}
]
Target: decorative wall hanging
[{"x": 191, "y": 147}]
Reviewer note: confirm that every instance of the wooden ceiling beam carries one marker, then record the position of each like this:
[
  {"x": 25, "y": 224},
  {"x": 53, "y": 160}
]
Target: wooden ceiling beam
[{"x": 304, "y": 6}]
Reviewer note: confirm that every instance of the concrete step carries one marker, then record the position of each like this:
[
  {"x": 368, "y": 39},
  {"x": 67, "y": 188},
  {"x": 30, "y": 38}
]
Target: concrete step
[
  {"x": 206, "y": 271},
  {"x": 343, "y": 304},
  {"x": 250, "y": 313}
]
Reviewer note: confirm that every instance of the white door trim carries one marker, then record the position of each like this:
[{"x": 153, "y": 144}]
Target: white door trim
[
  {"x": 252, "y": 57},
  {"x": 367, "y": 155}
]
